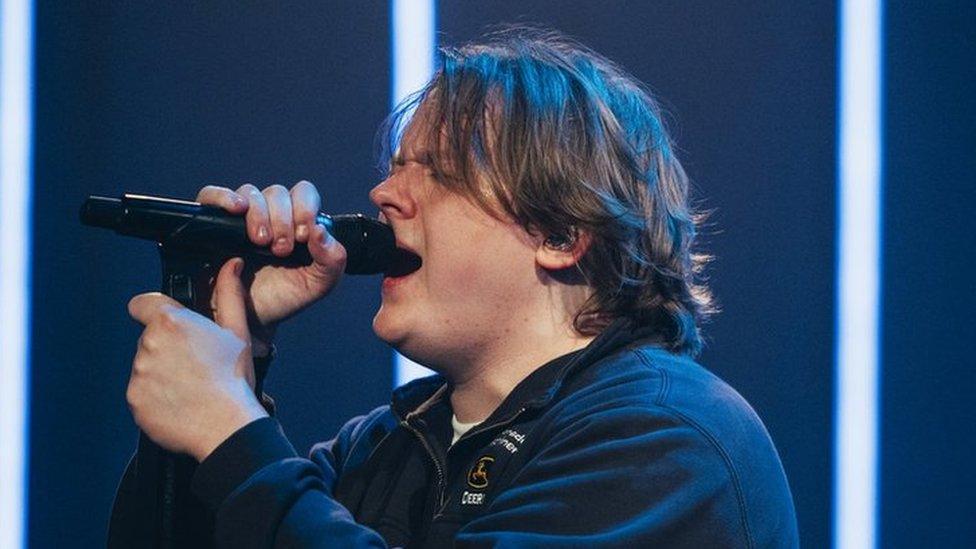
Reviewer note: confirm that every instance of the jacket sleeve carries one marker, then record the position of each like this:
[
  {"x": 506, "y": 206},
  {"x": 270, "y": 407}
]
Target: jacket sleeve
[
  {"x": 265, "y": 495},
  {"x": 626, "y": 477}
]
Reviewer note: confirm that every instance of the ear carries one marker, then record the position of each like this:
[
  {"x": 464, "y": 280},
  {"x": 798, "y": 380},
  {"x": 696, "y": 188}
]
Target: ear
[{"x": 556, "y": 253}]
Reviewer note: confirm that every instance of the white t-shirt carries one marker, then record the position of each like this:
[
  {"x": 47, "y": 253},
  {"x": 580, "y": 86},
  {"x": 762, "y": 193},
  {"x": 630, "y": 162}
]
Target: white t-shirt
[{"x": 460, "y": 428}]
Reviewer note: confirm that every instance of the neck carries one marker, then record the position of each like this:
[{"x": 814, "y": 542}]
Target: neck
[{"x": 488, "y": 379}]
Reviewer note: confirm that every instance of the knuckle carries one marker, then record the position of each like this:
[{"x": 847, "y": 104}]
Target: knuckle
[
  {"x": 249, "y": 191},
  {"x": 171, "y": 320},
  {"x": 204, "y": 194},
  {"x": 147, "y": 342},
  {"x": 306, "y": 190},
  {"x": 132, "y": 392},
  {"x": 258, "y": 212},
  {"x": 138, "y": 368},
  {"x": 254, "y": 196},
  {"x": 166, "y": 319},
  {"x": 257, "y": 215},
  {"x": 150, "y": 338},
  {"x": 216, "y": 196},
  {"x": 276, "y": 191}
]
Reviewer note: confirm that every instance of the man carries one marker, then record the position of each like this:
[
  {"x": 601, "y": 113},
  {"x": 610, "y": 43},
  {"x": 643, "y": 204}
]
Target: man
[{"x": 555, "y": 297}]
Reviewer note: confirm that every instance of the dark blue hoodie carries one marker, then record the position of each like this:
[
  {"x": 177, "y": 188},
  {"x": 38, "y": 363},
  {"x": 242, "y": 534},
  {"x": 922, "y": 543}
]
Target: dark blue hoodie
[{"x": 622, "y": 444}]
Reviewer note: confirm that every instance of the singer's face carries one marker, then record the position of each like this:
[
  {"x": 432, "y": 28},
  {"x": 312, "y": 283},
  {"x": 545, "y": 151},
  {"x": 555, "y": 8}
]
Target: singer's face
[{"x": 476, "y": 269}]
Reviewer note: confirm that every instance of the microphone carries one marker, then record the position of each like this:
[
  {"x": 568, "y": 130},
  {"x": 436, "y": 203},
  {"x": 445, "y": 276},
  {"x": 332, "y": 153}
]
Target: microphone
[{"x": 212, "y": 232}]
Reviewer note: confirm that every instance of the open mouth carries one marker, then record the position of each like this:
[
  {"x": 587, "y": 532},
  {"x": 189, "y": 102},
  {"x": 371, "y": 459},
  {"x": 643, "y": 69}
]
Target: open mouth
[{"x": 404, "y": 262}]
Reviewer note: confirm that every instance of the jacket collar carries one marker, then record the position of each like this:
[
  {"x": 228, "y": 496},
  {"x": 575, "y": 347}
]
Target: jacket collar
[{"x": 539, "y": 387}]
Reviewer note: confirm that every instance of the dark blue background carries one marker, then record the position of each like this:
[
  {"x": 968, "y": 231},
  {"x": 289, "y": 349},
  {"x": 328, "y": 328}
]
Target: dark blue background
[
  {"x": 164, "y": 100},
  {"x": 928, "y": 422}
]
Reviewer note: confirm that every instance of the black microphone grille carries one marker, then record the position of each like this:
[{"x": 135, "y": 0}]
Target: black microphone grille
[{"x": 370, "y": 244}]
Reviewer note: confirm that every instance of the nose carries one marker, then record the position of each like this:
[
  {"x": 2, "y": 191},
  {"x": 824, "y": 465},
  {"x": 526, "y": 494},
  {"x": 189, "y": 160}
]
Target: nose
[{"x": 392, "y": 197}]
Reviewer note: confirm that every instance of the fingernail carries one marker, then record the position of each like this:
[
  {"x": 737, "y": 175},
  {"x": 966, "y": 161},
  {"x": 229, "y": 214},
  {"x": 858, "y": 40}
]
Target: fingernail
[
  {"x": 302, "y": 231},
  {"x": 239, "y": 267},
  {"x": 262, "y": 232}
]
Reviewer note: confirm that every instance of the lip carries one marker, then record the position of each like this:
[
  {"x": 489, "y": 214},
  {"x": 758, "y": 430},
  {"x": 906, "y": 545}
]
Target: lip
[
  {"x": 391, "y": 282},
  {"x": 394, "y": 281}
]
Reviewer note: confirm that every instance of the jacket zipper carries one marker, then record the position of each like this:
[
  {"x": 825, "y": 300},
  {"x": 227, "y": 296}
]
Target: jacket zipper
[
  {"x": 497, "y": 424},
  {"x": 441, "y": 482}
]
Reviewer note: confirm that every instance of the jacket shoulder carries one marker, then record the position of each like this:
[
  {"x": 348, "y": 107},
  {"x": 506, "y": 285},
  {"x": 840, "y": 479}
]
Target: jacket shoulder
[
  {"x": 649, "y": 389},
  {"x": 658, "y": 382}
]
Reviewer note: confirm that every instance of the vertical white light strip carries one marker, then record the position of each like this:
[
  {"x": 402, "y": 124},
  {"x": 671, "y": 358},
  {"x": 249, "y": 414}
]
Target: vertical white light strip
[
  {"x": 15, "y": 186},
  {"x": 413, "y": 30},
  {"x": 858, "y": 283}
]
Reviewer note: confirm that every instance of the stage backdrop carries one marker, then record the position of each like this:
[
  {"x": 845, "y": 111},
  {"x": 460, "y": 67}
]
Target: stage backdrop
[{"x": 164, "y": 100}]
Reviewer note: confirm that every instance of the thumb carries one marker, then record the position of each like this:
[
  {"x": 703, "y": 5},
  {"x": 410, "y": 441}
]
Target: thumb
[
  {"x": 230, "y": 310},
  {"x": 328, "y": 258}
]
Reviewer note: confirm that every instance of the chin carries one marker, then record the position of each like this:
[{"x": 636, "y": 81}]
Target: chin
[
  {"x": 395, "y": 332},
  {"x": 387, "y": 328}
]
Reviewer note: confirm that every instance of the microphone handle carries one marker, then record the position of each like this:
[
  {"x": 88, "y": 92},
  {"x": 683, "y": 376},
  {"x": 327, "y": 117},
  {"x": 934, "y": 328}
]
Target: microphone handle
[{"x": 211, "y": 231}]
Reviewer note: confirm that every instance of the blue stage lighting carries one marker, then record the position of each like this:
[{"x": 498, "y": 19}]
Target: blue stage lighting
[
  {"x": 15, "y": 248},
  {"x": 858, "y": 274}
]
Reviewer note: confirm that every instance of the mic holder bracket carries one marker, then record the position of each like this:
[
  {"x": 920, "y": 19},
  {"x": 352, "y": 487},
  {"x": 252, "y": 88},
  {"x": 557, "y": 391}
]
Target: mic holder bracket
[
  {"x": 188, "y": 276},
  {"x": 170, "y": 515}
]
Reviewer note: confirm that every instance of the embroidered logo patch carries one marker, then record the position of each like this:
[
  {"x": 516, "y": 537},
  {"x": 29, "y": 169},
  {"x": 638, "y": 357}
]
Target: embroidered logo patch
[
  {"x": 472, "y": 498},
  {"x": 510, "y": 440},
  {"x": 478, "y": 475}
]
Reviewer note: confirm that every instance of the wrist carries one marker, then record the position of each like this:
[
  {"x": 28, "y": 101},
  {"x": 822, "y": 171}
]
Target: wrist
[{"x": 235, "y": 419}]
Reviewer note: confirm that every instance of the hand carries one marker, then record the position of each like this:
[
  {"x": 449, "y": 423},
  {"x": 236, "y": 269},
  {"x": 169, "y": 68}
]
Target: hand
[
  {"x": 192, "y": 382},
  {"x": 278, "y": 218}
]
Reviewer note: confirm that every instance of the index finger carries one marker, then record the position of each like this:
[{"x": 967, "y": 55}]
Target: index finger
[
  {"x": 144, "y": 307},
  {"x": 223, "y": 197}
]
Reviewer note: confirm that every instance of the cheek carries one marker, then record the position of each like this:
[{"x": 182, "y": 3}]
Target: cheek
[
  {"x": 463, "y": 276},
  {"x": 453, "y": 265},
  {"x": 472, "y": 274},
  {"x": 472, "y": 262}
]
